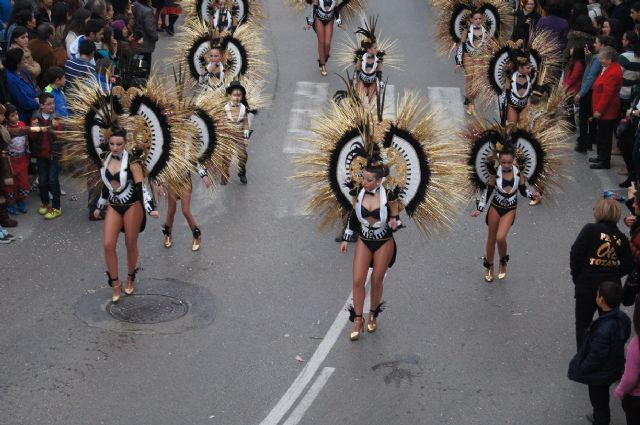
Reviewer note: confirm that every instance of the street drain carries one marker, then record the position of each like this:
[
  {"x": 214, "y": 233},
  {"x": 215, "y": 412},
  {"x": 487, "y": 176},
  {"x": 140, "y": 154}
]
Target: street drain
[{"x": 148, "y": 309}]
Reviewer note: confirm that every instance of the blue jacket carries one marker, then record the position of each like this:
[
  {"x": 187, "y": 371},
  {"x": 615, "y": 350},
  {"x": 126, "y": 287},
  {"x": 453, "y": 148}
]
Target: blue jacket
[
  {"x": 59, "y": 100},
  {"x": 600, "y": 360},
  {"x": 590, "y": 75},
  {"x": 24, "y": 94}
]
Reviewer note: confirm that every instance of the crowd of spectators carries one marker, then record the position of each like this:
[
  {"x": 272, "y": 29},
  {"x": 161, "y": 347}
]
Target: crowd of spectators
[{"x": 46, "y": 46}]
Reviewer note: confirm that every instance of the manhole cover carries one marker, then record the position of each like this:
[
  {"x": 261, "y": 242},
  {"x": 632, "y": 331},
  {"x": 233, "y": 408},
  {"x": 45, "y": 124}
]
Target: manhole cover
[{"x": 148, "y": 309}]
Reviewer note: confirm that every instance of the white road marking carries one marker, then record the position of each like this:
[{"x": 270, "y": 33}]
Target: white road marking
[
  {"x": 448, "y": 102},
  {"x": 308, "y": 399},
  {"x": 310, "y": 369}
]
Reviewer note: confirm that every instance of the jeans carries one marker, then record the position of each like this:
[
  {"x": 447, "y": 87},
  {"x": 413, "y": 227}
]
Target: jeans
[
  {"x": 599, "y": 397},
  {"x": 631, "y": 407},
  {"x": 49, "y": 181}
]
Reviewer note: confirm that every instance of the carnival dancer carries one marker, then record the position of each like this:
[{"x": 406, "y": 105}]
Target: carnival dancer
[
  {"x": 216, "y": 146},
  {"x": 369, "y": 169},
  {"x": 368, "y": 52},
  {"x": 466, "y": 26},
  {"x": 321, "y": 16},
  {"x": 121, "y": 149},
  {"x": 125, "y": 198},
  {"x": 215, "y": 58},
  {"x": 224, "y": 16},
  {"x": 513, "y": 72},
  {"x": 504, "y": 162},
  {"x": 238, "y": 111},
  {"x": 501, "y": 215}
]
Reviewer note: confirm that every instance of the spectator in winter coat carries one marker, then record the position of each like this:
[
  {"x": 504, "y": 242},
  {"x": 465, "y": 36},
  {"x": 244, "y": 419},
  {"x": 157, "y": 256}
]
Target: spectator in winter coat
[
  {"x": 594, "y": 9},
  {"x": 600, "y": 360},
  {"x": 21, "y": 87},
  {"x": 55, "y": 76},
  {"x": 574, "y": 71},
  {"x": 21, "y": 40},
  {"x": 81, "y": 68},
  {"x": 93, "y": 31},
  {"x": 582, "y": 33},
  {"x": 600, "y": 252},
  {"x": 605, "y": 105},
  {"x": 555, "y": 23},
  {"x": 620, "y": 11},
  {"x": 592, "y": 70},
  {"x": 628, "y": 390},
  {"x": 43, "y": 52},
  {"x": 145, "y": 25}
]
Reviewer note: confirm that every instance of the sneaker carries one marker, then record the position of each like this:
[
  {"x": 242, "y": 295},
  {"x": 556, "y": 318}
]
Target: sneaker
[
  {"x": 52, "y": 214},
  {"x": 5, "y": 239},
  {"x": 11, "y": 209},
  {"x": 62, "y": 192},
  {"x": 22, "y": 207},
  {"x": 9, "y": 236},
  {"x": 44, "y": 208}
]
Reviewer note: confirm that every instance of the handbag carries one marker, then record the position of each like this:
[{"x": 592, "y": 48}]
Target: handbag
[
  {"x": 630, "y": 288},
  {"x": 622, "y": 127}
]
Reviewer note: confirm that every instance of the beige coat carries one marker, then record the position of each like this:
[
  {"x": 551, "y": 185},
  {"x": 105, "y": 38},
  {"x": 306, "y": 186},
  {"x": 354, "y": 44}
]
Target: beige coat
[{"x": 31, "y": 65}]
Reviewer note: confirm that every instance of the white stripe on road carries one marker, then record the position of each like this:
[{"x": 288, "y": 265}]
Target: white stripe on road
[
  {"x": 448, "y": 102},
  {"x": 308, "y": 399},
  {"x": 308, "y": 372}
]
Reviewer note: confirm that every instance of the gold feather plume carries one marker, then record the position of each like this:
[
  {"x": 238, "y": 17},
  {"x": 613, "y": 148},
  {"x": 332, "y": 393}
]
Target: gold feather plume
[
  {"x": 446, "y": 9},
  {"x": 249, "y": 35},
  {"x": 544, "y": 42},
  {"x": 349, "y": 50},
  {"x": 446, "y": 160}
]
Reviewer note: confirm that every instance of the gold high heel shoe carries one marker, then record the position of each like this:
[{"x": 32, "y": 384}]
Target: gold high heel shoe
[
  {"x": 503, "y": 265},
  {"x": 114, "y": 298},
  {"x": 131, "y": 282},
  {"x": 197, "y": 237},
  {"x": 488, "y": 276},
  {"x": 372, "y": 320},
  {"x": 166, "y": 231},
  {"x": 358, "y": 328},
  {"x": 323, "y": 70}
]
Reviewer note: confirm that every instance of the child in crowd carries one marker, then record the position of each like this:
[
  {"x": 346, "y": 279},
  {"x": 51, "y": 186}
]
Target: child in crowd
[
  {"x": 600, "y": 360},
  {"x": 6, "y": 175},
  {"x": 19, "y": 155},
  {"x": 45, "y": 147},
  {"x": 56, "y": 79}
]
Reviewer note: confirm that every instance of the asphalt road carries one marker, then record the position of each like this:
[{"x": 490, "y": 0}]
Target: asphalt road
[{"x": 267, "y": 291}]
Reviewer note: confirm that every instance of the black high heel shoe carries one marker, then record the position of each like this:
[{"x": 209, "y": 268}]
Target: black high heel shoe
[
  {"x": 131, "y": 281},
  {"x": 197, "y": 234},
  {"x": 488, "y": 276},
  {"x": 503, "y": 264},
  {"x": 358, "y": 324},
  {"x": 166, "y": 231},
  {"x": 372, "y": 323},
  {"x": 114, "y": 298}
]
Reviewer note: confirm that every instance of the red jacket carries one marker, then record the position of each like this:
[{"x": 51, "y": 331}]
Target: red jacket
[
  {"x": 573, "y": 77},
  {"x": 605, "y": 97}
]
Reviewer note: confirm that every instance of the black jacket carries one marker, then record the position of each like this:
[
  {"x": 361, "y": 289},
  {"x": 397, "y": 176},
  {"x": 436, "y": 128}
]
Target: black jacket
[
  {"x": 600, "y": 360},
  {"x": 601, "y": 252}
]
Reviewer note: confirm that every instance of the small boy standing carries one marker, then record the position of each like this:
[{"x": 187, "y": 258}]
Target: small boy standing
[
  {"x": 55, "y": 77},
  {"x": 46, "y": 149},
  {"x": 19, "y": 156},
  {"x": 600, "y": 360}
]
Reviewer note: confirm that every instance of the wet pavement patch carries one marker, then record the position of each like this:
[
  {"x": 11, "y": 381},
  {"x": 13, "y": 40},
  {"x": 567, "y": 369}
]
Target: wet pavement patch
[
  {"x": 148, "y": 309},
  {"x": 161, "y": 306}
]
